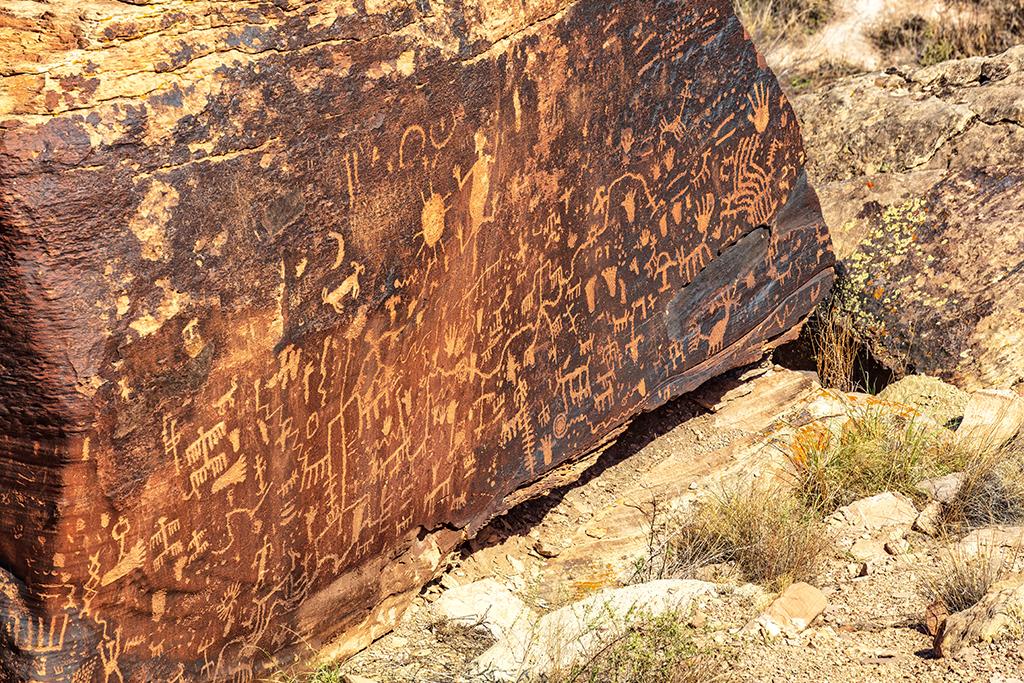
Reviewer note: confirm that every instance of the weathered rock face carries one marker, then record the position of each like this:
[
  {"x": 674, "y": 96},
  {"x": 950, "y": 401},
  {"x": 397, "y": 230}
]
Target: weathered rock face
[
  {"x": 296, "y": 296},
  {"x": 921, "y": 181}
]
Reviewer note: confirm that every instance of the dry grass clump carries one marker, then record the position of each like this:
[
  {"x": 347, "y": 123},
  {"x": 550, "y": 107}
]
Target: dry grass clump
[
  {"x": 650, "y": 649},
  {"x": 968, "y": 28},
  {"x": 963, "y": 578},
  {"x": 672, "y": 551},
  {"x": 835, "y": 345},
  {"x": 992, "y": 489},
  {"x": 763, "y": 532},
  {"x": 876, "y": 451},
  {"x": 880, "y": 450},
  {"x": 829, "y": 70},
  {"x": 772, "y": 22}
]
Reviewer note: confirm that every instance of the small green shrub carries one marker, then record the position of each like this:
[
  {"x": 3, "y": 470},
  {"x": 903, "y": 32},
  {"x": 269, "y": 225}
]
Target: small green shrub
[
  {"x": 651, "y": 649},
  {"x": 327, "y": 674}
]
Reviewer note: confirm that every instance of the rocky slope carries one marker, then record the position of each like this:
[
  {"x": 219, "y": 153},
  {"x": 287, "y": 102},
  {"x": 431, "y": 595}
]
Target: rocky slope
[{"x": 548, "y": 581}]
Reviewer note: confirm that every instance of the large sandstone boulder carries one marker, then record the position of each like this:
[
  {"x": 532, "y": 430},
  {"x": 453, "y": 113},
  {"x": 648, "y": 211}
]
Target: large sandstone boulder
[
  {"x": 294, "y": 296},
  {"x": 920, "y": 178}
]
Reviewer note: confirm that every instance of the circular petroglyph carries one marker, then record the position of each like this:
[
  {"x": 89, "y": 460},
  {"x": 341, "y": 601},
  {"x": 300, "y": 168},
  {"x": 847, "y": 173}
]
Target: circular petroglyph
[{"x": 560, "y": 426}]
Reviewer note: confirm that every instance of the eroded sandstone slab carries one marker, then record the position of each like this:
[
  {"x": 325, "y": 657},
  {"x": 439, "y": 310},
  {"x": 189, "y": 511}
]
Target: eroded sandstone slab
[{"x": 296, "y": 296}]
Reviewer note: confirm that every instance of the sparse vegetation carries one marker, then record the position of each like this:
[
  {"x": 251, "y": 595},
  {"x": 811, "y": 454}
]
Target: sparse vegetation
[
  {"x": 877, "y": 450},
  {"x": 327, "y": 674},
  {"x": 763, "y": 532},
  {"x": 826, "y": 71},
  {"x": 650, "y": 649},
  {"x": 835, "y": 345},
  {"x": 669, "y": 555},
  {"x": 963, "y": 578},
  {"x": 967, "y": 28},
  {"x": 992, "y": 490},
  {"x": 771, "y": 20}
]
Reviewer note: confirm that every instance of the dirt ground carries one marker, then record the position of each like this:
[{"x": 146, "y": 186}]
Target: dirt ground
[{"x": 592, "y": 532}]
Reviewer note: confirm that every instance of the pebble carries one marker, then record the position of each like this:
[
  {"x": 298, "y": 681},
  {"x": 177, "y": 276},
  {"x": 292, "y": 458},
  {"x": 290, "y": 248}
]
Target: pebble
[{"x": 547, "y": 550}]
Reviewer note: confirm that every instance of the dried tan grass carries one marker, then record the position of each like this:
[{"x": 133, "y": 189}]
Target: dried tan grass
[
  {"x": 877, "y": 451},
  {"x": 968, "y": 28},
  {"x": 835, "y": 345},
  {"x": 992, "y": 489},
  {"x": 762, "y": 531},
  {"x": 769, "y": 21},
  {"x": 963, "y": 578}
]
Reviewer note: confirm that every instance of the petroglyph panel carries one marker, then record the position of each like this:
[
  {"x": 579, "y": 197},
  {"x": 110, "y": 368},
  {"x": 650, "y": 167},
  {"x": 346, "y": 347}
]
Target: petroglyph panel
[{"x": 296, "y": 296}]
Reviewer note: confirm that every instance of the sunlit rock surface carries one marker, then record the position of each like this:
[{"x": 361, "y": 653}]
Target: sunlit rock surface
[
  {"x": 294, "y": 297},
  {"x": 921, "y": 182}
]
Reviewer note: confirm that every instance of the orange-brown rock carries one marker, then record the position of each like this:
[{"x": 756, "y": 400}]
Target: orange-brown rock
[{"x": 294, "y": 296}]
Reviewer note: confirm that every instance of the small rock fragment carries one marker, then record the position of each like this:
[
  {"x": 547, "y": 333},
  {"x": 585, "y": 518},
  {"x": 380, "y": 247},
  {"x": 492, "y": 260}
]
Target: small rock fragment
[
  {"x": 998, "y": 615},
  {"x": 558, "y": 639},
  {"x": 929, "y": 396},
  {"x": 935, "y": 618},
  {"x": 929, "y": 520},
  {"x": 866, "y": 549},
  {"x": 877, "y": 512},
  {"x": 515, "y": 563},
  {"x": 897, "y": 546},
  {"x": 866, "y": 568},
  {"x": 993, "y": 417},
  {"x": 545, "y": 549},
  {"x": 485, "y": 603},
  {"x": 353, "y": 678},
  {"x": 791, "y": 612},
  {"x": 992, "y": 540},
  {"x": 942, "y": 489}
]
